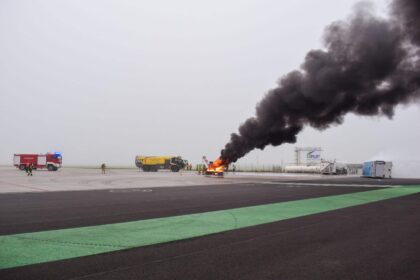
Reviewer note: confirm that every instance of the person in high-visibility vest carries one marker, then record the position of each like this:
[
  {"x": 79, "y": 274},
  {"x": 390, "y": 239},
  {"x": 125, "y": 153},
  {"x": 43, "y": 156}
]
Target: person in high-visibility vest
[
  {"x": 103, "y": 167},
  {"x": 30, "y": 168}
]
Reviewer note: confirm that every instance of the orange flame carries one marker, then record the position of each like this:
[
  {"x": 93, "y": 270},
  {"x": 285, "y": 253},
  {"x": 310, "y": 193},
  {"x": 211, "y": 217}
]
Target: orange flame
[{"x": 216, "y": 167}]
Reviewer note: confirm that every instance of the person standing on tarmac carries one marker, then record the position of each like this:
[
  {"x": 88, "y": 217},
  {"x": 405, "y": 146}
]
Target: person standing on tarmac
[
  {"x": 103, "y": 167},
  {"x": 30, "y": 168}
]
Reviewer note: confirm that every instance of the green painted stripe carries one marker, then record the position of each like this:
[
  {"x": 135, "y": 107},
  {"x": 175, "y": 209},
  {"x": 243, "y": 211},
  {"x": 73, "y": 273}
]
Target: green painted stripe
[{"x": 38, "y": 247}]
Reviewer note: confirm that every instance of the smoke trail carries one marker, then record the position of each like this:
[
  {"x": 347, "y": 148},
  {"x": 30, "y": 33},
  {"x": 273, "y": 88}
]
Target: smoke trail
[{"x": 369, "y": 65}]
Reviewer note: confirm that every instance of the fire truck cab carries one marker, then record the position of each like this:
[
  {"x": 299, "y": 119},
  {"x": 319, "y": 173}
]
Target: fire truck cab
[{"x": 50, "y": 161}]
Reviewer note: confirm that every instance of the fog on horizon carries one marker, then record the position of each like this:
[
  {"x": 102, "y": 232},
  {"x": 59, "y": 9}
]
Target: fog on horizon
[{"x": 103, "y": 81}]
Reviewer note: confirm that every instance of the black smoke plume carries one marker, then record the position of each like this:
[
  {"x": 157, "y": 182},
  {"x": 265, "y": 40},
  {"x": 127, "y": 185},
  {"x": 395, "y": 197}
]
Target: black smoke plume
[{"x": 369, "y": 65}]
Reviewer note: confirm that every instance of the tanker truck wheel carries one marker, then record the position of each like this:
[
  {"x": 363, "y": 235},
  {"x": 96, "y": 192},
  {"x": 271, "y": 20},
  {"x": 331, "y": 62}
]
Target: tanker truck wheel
[
  {"x": 174, "y": 168},
  {"x": 146, "y": 168}
]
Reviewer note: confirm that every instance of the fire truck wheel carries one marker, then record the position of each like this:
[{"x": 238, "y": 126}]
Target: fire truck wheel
[
  {"x": 22, "y": 167},
  {"x": 50, "y": 167}
]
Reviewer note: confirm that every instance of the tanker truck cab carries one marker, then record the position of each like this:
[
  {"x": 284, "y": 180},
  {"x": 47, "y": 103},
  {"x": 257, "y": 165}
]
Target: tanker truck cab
[{"x": 177, "y": 163}]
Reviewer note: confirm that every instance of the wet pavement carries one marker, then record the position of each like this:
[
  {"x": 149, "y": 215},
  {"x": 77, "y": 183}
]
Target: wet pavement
[{"x": 378, "y": 240}]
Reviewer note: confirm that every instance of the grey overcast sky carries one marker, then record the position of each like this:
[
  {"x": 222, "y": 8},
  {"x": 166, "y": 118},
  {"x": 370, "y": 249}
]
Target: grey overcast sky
[{"x": 103, "y": 81}]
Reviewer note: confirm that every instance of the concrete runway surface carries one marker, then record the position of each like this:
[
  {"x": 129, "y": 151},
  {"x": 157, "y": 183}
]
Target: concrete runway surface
[{"x": 79, "y": 224}]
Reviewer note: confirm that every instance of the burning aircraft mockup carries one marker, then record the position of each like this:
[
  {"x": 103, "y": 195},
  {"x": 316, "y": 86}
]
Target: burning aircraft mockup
[{"x": 216, "y": 168}]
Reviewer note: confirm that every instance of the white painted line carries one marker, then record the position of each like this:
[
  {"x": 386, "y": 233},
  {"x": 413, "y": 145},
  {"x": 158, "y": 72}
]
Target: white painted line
[
  {"x": 327, "y": 184},
  {"x": 34, "y": 188},
  {"x": 130, "y": 190}
]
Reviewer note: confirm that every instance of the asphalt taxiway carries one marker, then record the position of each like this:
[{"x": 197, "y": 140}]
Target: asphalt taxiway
[{"x": 239, "y": 227}]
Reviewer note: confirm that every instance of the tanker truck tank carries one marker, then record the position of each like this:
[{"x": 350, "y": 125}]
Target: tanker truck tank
[{"x": 302, "y": 169}]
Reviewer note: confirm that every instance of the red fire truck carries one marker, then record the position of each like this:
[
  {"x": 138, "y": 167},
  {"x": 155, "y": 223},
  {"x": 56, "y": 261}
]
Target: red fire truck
[{"x": 50, "y": 161}]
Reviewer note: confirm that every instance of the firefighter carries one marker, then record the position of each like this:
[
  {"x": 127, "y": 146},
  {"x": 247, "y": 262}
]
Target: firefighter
[
  {"x": 103, "y": 167},
  {"x": 30, "y": 168}
]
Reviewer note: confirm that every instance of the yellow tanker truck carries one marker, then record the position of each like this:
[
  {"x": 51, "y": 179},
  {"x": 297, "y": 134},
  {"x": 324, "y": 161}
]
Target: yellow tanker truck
[{"x": 154, "y": 163}]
